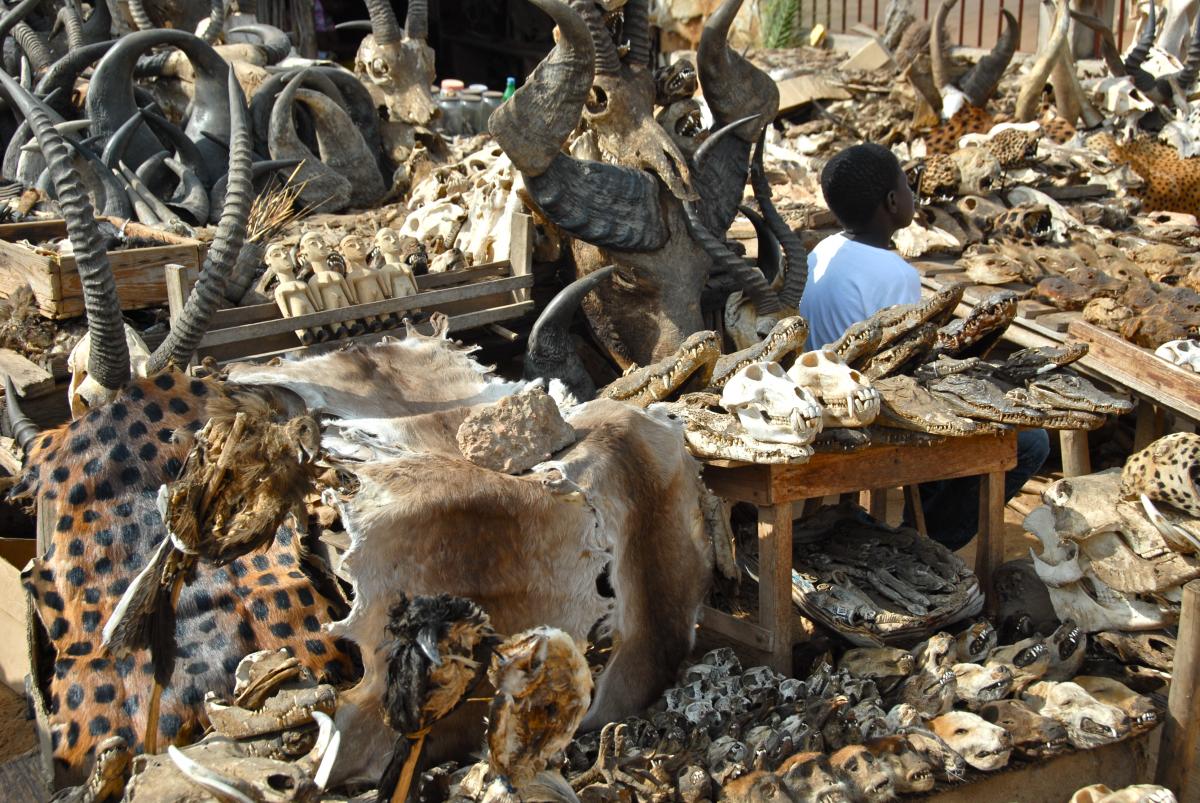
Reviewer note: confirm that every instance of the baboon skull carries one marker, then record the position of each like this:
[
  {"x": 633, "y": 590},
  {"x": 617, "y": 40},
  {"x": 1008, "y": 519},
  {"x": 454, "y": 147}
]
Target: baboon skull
[
  {"x": 772, "y": 407},
  {"x": 845, "y": 395}
]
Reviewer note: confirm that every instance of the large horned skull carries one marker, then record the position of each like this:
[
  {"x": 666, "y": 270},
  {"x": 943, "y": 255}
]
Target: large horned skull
[
  {"x": 84, "y": 392},
  {"x": 398, "y": 66},
  {"x": 772, "y": 407}
]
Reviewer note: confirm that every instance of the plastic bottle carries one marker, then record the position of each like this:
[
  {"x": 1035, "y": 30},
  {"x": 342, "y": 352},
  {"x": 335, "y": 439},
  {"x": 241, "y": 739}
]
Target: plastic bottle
[{"x": 510, "y": 86}]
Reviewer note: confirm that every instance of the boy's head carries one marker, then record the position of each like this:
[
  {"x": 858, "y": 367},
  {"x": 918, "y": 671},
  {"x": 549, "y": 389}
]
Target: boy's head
[{"x": 865, "y": 188}]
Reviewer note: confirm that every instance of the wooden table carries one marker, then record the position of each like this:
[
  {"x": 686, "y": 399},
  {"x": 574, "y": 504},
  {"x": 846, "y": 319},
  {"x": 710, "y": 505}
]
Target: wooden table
[{"x": 774, "y": 488}]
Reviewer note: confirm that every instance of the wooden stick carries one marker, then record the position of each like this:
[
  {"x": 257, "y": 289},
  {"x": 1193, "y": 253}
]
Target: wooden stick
[
  {"x": 1178, "y": 767},
  {"x": 400, "y": 794},
  {"x": 151, "y": 740}
]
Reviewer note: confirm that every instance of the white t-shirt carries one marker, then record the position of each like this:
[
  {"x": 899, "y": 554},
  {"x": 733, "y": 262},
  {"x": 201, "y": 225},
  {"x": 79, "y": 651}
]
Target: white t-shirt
[{"x": 849, "y": 282}]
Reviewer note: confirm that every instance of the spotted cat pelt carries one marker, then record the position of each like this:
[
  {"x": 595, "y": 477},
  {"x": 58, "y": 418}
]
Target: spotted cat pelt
[{"x": 96, "y": 479}]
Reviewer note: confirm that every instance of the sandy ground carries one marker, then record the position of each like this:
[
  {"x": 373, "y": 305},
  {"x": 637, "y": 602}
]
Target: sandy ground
[{"x": 16, "y": 732}]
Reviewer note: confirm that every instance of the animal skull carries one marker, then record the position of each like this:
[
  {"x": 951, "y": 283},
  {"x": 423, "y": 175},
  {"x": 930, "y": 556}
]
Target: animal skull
[
  {"x": 846, "y": 396},
  {"x": 1184, "y": 353},
  {"x": 979, "y": 171},
  {"x": 771, "y": 406},
  {"x": 84, "y": 392},
  {"x": 983, "y": 745},
  {"x": 947, "y": 764},
  {"x": 1089, "y": 722},
  {"x": 976, "y": 643},
  {"x": 977, "y": 684},
  {"x": 809, "y": 776},
  {"x": 886, "y": 665},
  {"x": 870, "y": 777},
  {"x": 1142, "y": 713},
  {"x": 1033, "y": 735},
  {"x": 1028, "y": 660},
  {"x": 911, "y": 771},
  {"x": 400, "y": 74}
]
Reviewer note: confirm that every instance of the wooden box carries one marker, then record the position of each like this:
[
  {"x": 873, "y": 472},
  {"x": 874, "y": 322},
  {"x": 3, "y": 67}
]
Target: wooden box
[{"x": 55, "y": 280}]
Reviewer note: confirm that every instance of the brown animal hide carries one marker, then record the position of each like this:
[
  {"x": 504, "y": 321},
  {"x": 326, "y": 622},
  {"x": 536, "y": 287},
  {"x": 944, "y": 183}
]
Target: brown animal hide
[{"x": 530, "y": 549}]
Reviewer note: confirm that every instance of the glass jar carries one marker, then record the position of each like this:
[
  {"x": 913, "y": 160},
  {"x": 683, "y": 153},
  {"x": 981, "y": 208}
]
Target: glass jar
[
  {"x": 472, "y": 106},
  {"x": 451, "y": 107},
  {"x": 492, "y": 100}
]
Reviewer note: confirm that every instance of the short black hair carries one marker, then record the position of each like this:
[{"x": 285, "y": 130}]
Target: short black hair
[{"x": 856, "y": 181}]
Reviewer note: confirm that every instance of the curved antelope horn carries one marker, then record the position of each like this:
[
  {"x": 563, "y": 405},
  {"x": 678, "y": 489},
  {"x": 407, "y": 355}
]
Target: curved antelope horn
[
  {"x": 98, "y": 26},
  {"x": 981, "y": 81},
  {"x": 795, "y": 262},
  {"x": 733, "y": 87},
  {"x": 1069, "y": 98},
  {"x": 753, "y": 283},
  {"x": 186, "y": 332},
  {"x": 140, "y": 18},
  {"x": 553, "y": 96},
  {"x": 72, "y": 20},
  {"x": 62, "y": 73},
  {"x": 1031, "y": 91},
  {"x": 939, "y": 61},
  {"x": 22, "y": 427},
  {"x": 114, "y": 149},
  {"x": 1191, "y": 66},
  {"x": 384, "y": 26},
  {"x": 108, "y": 361},
  {"x": 550, "y": 353},
  {"x": 191, "y": 197},
  {"x": 274, "y": 42},
  {"x": 354, "y": 25},
  {"x": 770, "y": 254},
  {"x": 1145, "y": 41},
  {"x": 15, "y": 15},
  {"x": 1108, "y": 43},
  {"x": 637, "y": 31},
  {"x": 607, "y": 61},
  {"x": 216, "y": 21},
  {"x": 32, "y": 45},
  {"x": 416, "y": 21}
]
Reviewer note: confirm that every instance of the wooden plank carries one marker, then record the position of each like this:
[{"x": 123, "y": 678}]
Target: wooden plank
[
  {"x": 178, "y": 288},
  {"x": 1179, "y": 752},
  {"x": 520, "y": 251},
  {"x": 457, "y": 323},
  {"x": 832, "y": 473},
  {"x": 1075, "y": 192},
  {"x": 803, "y": 89},
  {"x": 14, "y": 646},
  {"x": 28, "y": 378},
  {"x": 1138, "y": 370},
  {"x": 1059, "y": 321},
  {"x": 425, "y": 301},
  {"x": 21, "y": 778},
  {"x": 1028, "y": 308},
  {"x": 989, "y": 551},
  {"x": 10, "y": 456},
  {"x": 739, "y": 482},
  {"x": 138, "y": 274},
  {"x": 1076, "y": 460},
  {"x": 775, "y": 581},
  {"x": 739, "y": 630}
]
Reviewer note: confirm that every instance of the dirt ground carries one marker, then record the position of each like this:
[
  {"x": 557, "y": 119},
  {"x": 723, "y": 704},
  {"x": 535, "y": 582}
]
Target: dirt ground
[{"x": 16, "y": 732}]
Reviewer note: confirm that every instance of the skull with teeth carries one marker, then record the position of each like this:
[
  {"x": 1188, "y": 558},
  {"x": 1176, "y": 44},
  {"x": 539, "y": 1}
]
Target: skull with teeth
[
  {"x": 727, "y": 758},
  {"x": 885, "y": 665},
  {"x": 976, "y": 643},
  {"x": 981, "y": 744},
  {"x": 1184, "y": 353},
  {"x": 1033, "y": 735},
  {"x": 947, "y": 764},
  {"x": 684, "y": 123},
  {"x": 809, "y": 776},
  {"x": 771, "y": 406},
  {"x": 756, "y": 787},
  {"x": 911, "y": 771},
  {"x": 845, "y": 395},
  {"x": 1142, "y": 713},
  {"x": 1028, "y": 659},
  {"x": 976, "y": 684},
  {"x": 1088, "y": 721},
  {"x": 1068, "y": 645},
  {"x": 869, "y": 777}
]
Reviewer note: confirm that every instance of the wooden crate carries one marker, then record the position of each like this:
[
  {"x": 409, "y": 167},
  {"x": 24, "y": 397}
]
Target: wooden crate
[
  {"x": 55, "y": 280},
  {"x": 477, "y": 296}
]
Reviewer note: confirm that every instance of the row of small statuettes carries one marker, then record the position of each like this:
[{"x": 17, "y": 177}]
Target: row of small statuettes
[{"x": 342, "y": 278}]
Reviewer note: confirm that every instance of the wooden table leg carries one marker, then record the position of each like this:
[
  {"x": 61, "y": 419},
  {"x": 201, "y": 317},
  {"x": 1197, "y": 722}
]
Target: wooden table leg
[
  {"x": 912, "y": 499},
  {"x": 1178, "y": 766},
  {"x": 1149, "y": 424},
  {"x": 989, "y": 551},
  {"x": 1076, "y": 460},
  {"x": 775, "y": 581},
  {"x": 878, "y": 504}
]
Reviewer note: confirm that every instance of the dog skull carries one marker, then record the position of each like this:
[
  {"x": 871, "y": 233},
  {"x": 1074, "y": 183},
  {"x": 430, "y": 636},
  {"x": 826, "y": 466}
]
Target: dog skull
[
  {"x": 871, "y": 778},
  {"x": 1033, "y": 735},
  {"x": 983, "y": 745},
  {"x": 846, "y": 396},
  {"x": 1088, "y": 721},
  {"x": 976, "y": 684},
  {"x": 976, "y": 643},
  {"x": 772, "y": 407},
  {"x": 1142, "y": 713}
]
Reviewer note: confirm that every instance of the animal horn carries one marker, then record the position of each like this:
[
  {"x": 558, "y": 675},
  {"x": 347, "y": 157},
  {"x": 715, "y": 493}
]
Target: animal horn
[
  {"x": 23, "y": 429},
  {"x": 354, "y": 25},
  {"x": 1031, "y": 91},
  {"x": 32, "y": 45},
  {"x": 114, "y": 149},
  {"x": 754, "y": 284},
  {"x": 607, "y": 61},
  {"x": 637, "y": 31},
  {"x": 18, "y": 13},
  {"x": 939, "y": 62},
  {"x": 795, "y": 262},
  {"x": 73, "y": 23},
  {"x": 982, "y": 80},
  {"x": 384, "y": 26},
  {"x": 416, "y": 21},
  {"x": 550, "y": 354},
  {"x": 63, "y": 72},
  {"x": 274, "y": 42},
  {"x": 1191, "y": 66},
  {"x": 223, "y": 787},
  {"x": 140, "y": 18},
  {"x": 98, "y": 26},
  {"x": 191, "y": 196},
  {"x": 1145, "y": 41},
  {"x": 186, "y": 332},
  {"x": 325, "y": 751},
  {"x": 733, "y": 87},
  {"x": 1108, "y": 43},
  {"x": 108, "y": 361},
  {"x": 553, "y": 95},
  {"x": 1069, "y": 98},
  {"x": 770, "y": 254}
]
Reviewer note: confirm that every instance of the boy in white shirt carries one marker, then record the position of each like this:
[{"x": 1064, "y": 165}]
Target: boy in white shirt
[{"x": 852, "y": 275}]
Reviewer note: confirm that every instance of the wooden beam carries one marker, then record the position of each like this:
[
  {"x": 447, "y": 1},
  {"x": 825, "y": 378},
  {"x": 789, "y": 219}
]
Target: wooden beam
[
  {"x": 28, "y": 378},
  {"x": 1076, "y": 460},
  {"x": 775, "y": 581},
  {"x": 1179, "y": 751},
  {"x": 989, "y": 552}
]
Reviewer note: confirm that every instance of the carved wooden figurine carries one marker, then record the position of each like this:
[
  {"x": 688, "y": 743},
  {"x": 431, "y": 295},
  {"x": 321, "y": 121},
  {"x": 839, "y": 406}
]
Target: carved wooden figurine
[
  {"x": 367, "y": 283},
  {"x": 397, "y": 276},
  {"x": 292, "y": 296},
  {"x": 329, "y": 287}
]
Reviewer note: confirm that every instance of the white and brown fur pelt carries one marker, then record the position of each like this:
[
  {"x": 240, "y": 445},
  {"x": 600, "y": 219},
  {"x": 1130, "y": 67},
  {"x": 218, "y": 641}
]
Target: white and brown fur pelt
[{"x": 530, "y": 549}]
